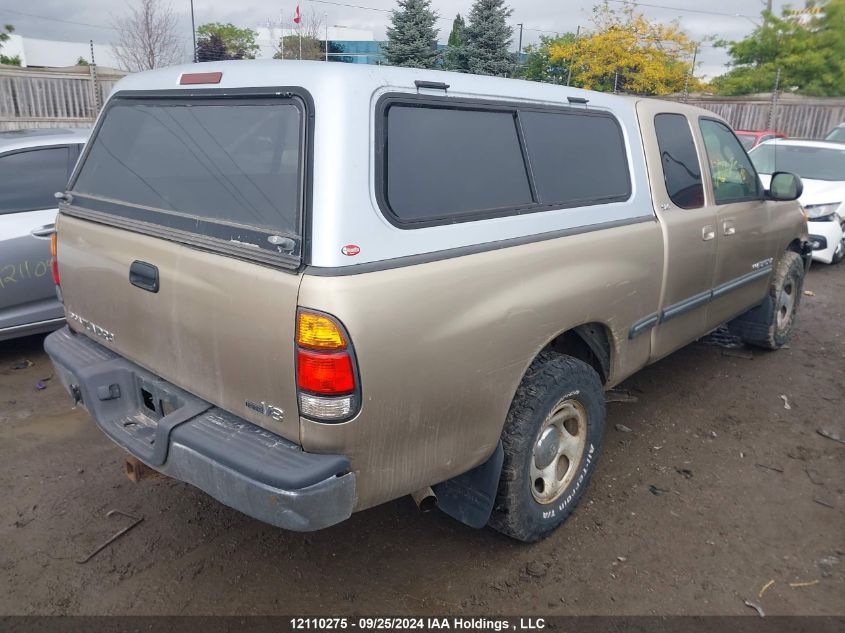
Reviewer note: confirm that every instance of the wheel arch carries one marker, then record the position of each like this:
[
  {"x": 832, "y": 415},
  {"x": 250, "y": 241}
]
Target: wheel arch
[{"x": 588, "y": 342}]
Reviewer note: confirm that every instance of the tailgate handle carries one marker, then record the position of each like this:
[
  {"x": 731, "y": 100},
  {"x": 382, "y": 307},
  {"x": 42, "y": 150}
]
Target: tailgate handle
[{"x": 144, "y": 276}]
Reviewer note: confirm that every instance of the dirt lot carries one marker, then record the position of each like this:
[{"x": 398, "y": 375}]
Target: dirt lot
[{"x": 747, "y": 492}]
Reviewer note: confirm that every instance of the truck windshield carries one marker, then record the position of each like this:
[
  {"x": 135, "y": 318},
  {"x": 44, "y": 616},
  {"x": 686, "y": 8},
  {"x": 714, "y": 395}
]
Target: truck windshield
[{"x": 229, "y": 169}]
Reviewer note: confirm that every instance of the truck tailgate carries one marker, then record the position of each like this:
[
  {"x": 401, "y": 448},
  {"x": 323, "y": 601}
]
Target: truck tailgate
[{"x": 218, "y": 327}]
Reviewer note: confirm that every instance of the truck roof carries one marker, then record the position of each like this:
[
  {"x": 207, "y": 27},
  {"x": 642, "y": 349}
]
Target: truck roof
[{"x": 318, "y": 76}]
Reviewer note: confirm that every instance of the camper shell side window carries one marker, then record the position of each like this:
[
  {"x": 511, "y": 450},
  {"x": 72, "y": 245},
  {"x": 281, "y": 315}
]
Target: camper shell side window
[{"x": 445, "y": 160}]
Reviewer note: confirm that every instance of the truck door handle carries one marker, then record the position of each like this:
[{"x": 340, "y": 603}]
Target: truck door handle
[
  {"x": 728, "y": 228},
  {"x": 43, "y": 231},
  {"x": 708, "y": 232},
  {"x": 144, "y": 276}
]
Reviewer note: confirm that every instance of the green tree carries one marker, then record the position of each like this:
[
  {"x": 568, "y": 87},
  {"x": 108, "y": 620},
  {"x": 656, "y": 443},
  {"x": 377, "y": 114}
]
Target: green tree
[
  {"x": 7, "y": 31},
  {"x": 238, "y": 43},
  {"x": 411, "y": 37},
  {"x": 810, "y": 54},
  {"x": 488, "y": 38},
  {"x": 538, "y": 64},
  {"x": 455, "y": 57},
  {"x": 312, "y": 48},
  {"x": 212, "y": 49}
]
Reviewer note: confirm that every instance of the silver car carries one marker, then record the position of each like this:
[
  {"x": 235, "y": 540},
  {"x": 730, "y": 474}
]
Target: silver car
[{"x": 34, "y": 164}]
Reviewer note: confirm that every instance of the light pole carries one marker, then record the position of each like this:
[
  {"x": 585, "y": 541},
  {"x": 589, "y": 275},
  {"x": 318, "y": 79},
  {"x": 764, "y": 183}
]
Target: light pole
[{"x": 194, "y": 31}]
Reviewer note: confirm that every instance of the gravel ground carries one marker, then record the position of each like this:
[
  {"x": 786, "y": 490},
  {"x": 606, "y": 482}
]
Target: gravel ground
[{"x": 714, "y": 490}]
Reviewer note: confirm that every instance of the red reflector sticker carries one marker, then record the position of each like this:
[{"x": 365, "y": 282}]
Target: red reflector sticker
[
  {"x": 351, "y": 250},
  {"x": 189, "y": 79}
]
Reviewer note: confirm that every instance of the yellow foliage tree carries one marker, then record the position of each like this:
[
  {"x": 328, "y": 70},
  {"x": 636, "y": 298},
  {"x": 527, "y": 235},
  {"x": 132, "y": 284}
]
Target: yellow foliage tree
[{"x": 626, "y": 53}]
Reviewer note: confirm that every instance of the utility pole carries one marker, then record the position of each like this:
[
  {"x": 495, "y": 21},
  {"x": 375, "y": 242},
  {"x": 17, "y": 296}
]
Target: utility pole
[
  {"x": 95, "y": 92},
  {"x": 326, "y": 18},
  {"x": 518, "y": 51},
  {"x": 774, "y": 106},
  {"x": 572, "y": 61},
  {"x": 194, "y": 31},
  {"x": 690, "y": 74}
]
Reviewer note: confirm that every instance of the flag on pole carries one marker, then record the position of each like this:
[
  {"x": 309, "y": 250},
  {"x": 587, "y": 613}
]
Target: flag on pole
[{"x": 297, "y": 18}]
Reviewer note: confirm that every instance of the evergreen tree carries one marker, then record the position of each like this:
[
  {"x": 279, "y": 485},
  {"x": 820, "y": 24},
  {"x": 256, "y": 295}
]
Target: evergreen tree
[
  {"x": 455, "y": 57},
  {"x": 487, "y": 39},
  {"x": 456, "y": 37},
  {"x": 212, "y": 49},
  {"x": 412, "y": 38}
]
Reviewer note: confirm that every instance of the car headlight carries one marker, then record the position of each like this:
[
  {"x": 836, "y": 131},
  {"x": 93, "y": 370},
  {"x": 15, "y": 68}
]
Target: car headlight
[{"x": 822, "y": 212}]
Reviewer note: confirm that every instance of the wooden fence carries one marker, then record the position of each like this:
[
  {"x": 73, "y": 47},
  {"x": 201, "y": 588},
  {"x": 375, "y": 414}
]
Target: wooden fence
[
  {"x": 800, "y": 117},
  {"x": 69, "y": 97},
  {"x": 73, "y": 96}
]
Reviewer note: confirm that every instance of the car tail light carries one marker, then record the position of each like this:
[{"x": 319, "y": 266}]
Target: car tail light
[{"x": 326, "y": 371}]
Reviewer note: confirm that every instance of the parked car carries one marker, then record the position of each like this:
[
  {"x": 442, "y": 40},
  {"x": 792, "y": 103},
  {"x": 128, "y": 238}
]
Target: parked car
[
  {"x": 34, "y": 164},
  {"x": 322, "y": 287},
  {"x": 752, "y": 138},
  {"x": 821, "y": 165},
  {"x": 837, "y": 134}
]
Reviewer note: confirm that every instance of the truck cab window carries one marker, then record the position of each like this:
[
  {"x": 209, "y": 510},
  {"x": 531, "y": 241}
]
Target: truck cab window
[
  {"x": 733, "y": 176},
  {"x": 681, "y": 169}
]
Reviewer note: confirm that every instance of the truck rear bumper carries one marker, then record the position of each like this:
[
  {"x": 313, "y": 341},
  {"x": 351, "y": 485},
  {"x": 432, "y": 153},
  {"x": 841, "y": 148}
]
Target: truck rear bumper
[{"x": 236, "y": 462}]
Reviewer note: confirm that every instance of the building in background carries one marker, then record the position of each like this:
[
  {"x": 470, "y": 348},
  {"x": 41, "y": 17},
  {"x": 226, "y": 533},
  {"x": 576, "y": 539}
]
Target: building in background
[
  {"x": 354, "y": 46},
  {"x": 39, "y": 53}
]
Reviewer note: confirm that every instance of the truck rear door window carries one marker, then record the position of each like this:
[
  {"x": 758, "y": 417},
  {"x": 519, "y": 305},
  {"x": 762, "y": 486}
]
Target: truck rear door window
[
  {"x": 223, "y": 168},
  {"x": 576, "y": 158},
  {"x": 444, "y": 162},
  {"x": 681, "y": 169}
]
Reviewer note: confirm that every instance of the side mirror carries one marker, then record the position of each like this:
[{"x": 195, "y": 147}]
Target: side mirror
[{"x": 785, "y": 186}]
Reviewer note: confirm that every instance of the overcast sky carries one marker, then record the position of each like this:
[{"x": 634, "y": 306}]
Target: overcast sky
[{"x": 81, "y": 20}]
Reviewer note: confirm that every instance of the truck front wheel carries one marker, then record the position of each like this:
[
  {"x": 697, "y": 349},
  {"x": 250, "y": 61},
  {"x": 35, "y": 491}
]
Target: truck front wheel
[
  {"x": 770, "y": 325},
  {"x": 551, "y": 440}
]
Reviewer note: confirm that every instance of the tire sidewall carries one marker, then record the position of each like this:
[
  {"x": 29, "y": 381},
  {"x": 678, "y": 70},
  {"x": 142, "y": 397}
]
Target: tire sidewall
[
  {"x": 839, "y": 254},
  {"x": 795, "y": 272},
  {"x": 542, "y": 518}
]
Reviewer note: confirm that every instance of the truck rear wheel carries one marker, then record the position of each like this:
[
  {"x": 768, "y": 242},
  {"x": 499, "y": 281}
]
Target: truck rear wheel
[
  {"x": 770, "y": 325},
  {"x": 551, "y": 439}
]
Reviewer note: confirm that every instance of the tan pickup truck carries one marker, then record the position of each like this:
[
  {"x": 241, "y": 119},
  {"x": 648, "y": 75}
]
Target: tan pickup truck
[{"x": 311, "y": 288}]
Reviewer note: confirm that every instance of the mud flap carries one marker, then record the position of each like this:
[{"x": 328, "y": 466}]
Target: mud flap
[
  {"x": 469, "y": 498},
  {"x": 754, "y": 324}
]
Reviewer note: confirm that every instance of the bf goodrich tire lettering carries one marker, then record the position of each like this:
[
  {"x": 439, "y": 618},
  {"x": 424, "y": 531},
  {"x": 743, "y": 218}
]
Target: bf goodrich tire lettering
[{"x": 553, "y": 382}]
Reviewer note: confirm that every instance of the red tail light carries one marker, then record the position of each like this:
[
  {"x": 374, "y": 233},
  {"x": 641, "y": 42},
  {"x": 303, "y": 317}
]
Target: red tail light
[
  {"x": 326, "y": 371},
  {"x": 54, "y": 262}
]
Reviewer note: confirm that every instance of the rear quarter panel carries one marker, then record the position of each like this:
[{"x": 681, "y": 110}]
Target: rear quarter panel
[{"x": 442, "y": 346}]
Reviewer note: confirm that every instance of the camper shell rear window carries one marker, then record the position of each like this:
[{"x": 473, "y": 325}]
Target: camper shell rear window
[{"x": 224, "y": 171}]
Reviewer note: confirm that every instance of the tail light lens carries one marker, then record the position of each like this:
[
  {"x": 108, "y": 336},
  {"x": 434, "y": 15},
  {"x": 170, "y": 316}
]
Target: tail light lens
[
  {"x": 326, "y": 372},
  {"x": 54, "y": 264}
]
